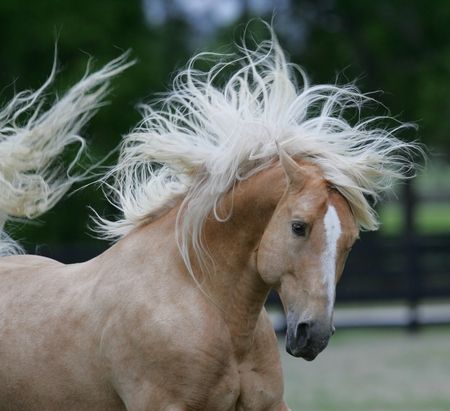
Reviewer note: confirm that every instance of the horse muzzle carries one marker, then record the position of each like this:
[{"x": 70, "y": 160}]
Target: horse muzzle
[{"x": 306, "y": 339}]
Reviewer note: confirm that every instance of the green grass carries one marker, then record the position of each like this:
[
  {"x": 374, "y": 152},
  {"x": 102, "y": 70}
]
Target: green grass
[
  {"x": 373, "y": 370},
  {"x": 430, "y": 218}
]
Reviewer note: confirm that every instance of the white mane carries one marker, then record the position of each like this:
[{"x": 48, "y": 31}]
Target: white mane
[
  {"x": 207, "y": 133},
  {"x": 32, "y": 141}
]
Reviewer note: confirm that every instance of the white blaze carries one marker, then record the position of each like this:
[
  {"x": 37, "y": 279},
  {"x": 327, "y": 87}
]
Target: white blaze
[{"x": 332, "y": 233}]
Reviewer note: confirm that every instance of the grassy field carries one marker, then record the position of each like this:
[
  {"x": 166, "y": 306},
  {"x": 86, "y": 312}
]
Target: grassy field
[
  {"x": 430, "y": 218},
  {"x": 373, "y": 370}
]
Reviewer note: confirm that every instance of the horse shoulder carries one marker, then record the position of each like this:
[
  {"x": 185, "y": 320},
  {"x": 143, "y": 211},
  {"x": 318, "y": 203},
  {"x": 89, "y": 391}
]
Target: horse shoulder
[{"x": 170, "y": 345}]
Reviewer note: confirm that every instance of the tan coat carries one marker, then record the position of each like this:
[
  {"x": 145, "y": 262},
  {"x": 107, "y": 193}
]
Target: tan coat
[{"x": 131, "y": 330}]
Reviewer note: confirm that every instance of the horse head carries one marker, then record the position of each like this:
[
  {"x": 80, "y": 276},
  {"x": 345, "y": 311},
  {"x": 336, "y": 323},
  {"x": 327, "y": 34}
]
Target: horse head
[{"x": 302, "y": 254}]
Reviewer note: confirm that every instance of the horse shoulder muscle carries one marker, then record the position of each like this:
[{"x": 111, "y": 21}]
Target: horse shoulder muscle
[{"x": 176, "y": 337}]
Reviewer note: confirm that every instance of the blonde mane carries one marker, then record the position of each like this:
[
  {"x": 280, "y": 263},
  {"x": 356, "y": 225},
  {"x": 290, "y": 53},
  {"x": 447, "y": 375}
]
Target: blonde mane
[
  {"x": 32, "y": 141},
  {"x": 206, "y": 134}
]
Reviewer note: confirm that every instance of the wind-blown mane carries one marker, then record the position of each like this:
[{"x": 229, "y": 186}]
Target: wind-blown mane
[
  {"x": 32, "y": 141},
  {"x": 206, "y": 134}
]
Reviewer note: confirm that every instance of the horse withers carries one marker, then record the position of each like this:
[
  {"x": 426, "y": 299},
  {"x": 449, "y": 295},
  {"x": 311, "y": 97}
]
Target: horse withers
[{"x": 226, "y": 192}]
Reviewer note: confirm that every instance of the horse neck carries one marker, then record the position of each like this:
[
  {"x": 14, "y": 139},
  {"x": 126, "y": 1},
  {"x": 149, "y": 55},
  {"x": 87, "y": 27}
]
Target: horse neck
[{"x": 235, "y": 285}]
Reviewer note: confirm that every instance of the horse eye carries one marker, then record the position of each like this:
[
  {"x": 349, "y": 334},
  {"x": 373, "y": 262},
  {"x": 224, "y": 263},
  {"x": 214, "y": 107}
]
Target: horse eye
[{"x": 299, "y": 228}]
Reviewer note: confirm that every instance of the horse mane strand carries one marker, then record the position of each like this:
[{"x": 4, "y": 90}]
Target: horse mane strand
[{"x": 32, "y": 140}]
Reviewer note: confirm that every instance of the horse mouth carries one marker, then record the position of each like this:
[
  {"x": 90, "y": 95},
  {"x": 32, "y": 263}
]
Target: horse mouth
[
  {"x": 306, "y": 342},
  {"x": 305, "y": 353}
]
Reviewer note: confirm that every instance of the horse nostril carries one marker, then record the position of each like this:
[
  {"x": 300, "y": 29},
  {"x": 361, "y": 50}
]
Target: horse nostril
[{"x": 302, "y": 334}]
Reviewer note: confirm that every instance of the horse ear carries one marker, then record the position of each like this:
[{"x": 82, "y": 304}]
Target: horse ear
[{"x": 292, "y": 170}]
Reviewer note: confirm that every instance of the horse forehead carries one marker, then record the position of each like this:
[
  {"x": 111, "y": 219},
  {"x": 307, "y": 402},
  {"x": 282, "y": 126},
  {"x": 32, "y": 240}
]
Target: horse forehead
[
  {"x": 344, "y": 213},
  {"x": 311, "y": 199}
]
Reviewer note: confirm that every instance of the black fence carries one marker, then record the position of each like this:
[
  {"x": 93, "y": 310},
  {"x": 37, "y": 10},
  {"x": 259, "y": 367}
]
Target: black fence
[{"x": 389, "y": 268}]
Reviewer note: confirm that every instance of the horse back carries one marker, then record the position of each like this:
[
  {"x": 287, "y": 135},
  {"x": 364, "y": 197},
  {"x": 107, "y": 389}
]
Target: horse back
[{"x": 28, "y": 261}]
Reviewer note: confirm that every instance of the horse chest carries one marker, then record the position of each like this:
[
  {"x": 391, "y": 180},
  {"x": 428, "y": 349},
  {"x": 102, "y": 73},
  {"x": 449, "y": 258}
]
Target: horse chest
[
  {"x": 243, "y": 389},
  {"x": 254, "y": 381}
]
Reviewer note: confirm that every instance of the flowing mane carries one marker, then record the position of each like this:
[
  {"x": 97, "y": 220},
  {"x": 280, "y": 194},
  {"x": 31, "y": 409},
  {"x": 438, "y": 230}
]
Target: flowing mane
[
  {"x": 33, "y": 139},
  {"x": 208, "y": 133}
]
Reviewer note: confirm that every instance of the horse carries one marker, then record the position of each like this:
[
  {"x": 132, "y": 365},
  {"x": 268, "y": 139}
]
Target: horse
[{"x": 227, "y": 189}]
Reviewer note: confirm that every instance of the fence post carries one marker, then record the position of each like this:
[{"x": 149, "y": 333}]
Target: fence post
[{"x": 412, "y": 255}]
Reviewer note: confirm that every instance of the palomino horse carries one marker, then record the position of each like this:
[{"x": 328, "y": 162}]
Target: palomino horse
[{"x": 227, "y": 191}]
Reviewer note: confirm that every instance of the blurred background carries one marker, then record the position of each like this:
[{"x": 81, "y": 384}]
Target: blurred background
[{"x": 392, "y": 349}]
